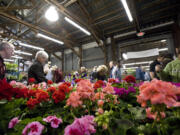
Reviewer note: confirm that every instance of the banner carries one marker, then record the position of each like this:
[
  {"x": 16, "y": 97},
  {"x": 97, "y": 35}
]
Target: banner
[{"x": 142, "y": 54}]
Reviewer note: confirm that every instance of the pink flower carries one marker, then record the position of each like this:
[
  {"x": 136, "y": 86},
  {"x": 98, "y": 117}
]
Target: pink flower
[
  {"x": 100, "y": 111},
  {"x": 42, "y": 85},
  {"x": 99, "y": 95},
  {"x": 100, "y": 103},
  {"x": 158, "y": 92},
  {"x": 17, "y": 84},
  {"x": 108, "y": 89},
  {"x": 33, "y": 128},
  {"x": 74, "y": 100},
  {"x": 13, "y": 83},
  {"x": 13, "y": 122},
  {"x": 85, "y": 89},
  {"x": 48, "y": 119},
  {"x": 81, "y": 126},
  {"x": 53, "y": 120},
  {"x": 72, "y": 130},
  {"x": 153, "y": 115}
]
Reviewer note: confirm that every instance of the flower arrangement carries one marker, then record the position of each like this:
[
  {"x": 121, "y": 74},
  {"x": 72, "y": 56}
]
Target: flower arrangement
[
  {"x": 160, "y": 95},
  {"x": 88, "y": 108}
]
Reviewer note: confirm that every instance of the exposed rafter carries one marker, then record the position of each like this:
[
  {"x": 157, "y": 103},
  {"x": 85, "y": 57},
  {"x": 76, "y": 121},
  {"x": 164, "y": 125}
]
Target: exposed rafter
[
  {"x": 23, "y": 40},
  {"x": 37, "y": 28},
  {"x": 58, "y": 57},
  {"x": 72, "y": 16},
  {"x": 135, "y": 15},
  {"x": 15, "y": 8},
  {"x": 90, "y": 20}
]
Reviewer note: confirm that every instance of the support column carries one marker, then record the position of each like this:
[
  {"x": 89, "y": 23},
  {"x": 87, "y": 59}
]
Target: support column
[
  {"x": 49, "y": 59},
  {"x": 176, "y": 36},
  {"x": 72, "y": 61},
  {"x": 80, "y": 58},
  {"x": 105, "y": 51},
  {"x": 62, "y": 61},
  {"x": 114, "y": 50}
]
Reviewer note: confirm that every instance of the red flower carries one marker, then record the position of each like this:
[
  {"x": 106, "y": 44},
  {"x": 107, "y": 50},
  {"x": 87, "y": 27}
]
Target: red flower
[
  {"x": 51, "y": 89},
  {"x": 98, "y": 84},
  {"x": 58, "y": 96},
  {"x": 32, "y": 102},
  {"x": 21, "y": 93},
  {"x": 111, "y": 80},
  {"x": 130, "y": 79},
  {"x": 49, "y": 82},
  {"x": 78, "y": 80},
  {"x": 31, "y": 80},
  {"x": 67, "y": 84},
  {"x": 31, "y": 93},
  {"x": 6, "y": 90},
  {"x": 42, "y": 95},
  {"x": 64, "y": 88}
]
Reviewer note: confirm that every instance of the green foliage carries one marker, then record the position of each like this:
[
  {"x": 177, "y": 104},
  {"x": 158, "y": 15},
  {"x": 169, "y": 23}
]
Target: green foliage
[{"x": 9, "y": 110}]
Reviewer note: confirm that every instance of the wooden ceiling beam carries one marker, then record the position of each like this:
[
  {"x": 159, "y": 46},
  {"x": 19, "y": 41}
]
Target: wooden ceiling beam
[
  {"x": 118, "y": 30},
  {"x": 135, "y": 15},
  {"x": 58, "y": 57},
  {"x": 110, "y": 4},
  {"x": 70, "y": 3},
  {"x": 15, "y": 8},
  {"x": 105, "y": 21},
  {"x": 72, "y": 16},
  {"x": 145, "y": 19},
  {"x": 90, "y": 20},
  {"x": 37, "y": 28},
  {"x": 108, "y": 14},
  {"x": 24, "y": 40}
]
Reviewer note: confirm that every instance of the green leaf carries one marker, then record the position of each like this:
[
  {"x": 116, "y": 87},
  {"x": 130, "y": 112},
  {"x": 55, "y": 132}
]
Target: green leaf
[
  {"x": 125, "y": 124},
  {"x": 138, "y": 113}
]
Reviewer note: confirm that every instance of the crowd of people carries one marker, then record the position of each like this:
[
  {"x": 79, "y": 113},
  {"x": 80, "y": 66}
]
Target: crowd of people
[{"x": 164, "y": 68}]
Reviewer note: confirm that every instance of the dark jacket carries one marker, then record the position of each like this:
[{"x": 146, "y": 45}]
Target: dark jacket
[
  {"x": 152, "y": 68},
  {"x": 97, "y": 76},
  {"x": 36, "y": 71},
  {"x": 2, "y": 68}
]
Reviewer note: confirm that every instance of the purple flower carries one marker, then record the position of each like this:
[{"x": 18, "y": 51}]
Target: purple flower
[
  {"x": 53, "y": 120},
  {"x": 81, "y": 126},
  {"x": 131, "y": 89},
  {"x": 120, "y": 91},
  {"x": 73, "y": 83},
  {"x": 178, "y": 98},
  {"x": 138, "y": 84},
  {"x": 176, "y": 84},
  {"x": 35, "y": 127},
  {"x": 123, "y": 91},
  {"x": 13, "y": 122}
]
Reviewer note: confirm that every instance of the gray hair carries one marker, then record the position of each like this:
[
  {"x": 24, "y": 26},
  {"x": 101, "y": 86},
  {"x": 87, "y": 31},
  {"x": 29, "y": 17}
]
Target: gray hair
[
  {"x": 4, "y": 45},
  {"x": 41, "y": 54},
  {"x": 102, "y": 68}
]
